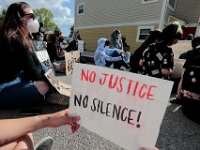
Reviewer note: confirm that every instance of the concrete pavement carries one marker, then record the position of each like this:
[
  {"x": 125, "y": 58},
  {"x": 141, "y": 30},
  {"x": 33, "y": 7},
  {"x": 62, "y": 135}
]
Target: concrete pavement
[{"x": 177, "y": 132}]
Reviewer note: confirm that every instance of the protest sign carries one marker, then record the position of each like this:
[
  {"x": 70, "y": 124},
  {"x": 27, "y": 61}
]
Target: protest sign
[
  {"x": 70, "y": 59},
  {"x": 122, "y": 107},
  {"x": 61, "y": 87},
  {"x": 44, "y": 58},
  {"x": 42, "y": 54}
]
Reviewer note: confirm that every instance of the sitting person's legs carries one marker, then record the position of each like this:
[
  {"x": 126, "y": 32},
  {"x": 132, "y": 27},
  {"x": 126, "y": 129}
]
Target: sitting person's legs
[
  {"x": 23, "y": 94},
  {"x": 22, "y": 143}
]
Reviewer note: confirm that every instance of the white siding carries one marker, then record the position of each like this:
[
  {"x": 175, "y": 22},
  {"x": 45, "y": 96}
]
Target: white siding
[
  {"x": 168, "y": 13},
  {"x": 102, "y": 12},
  {"x": 188, "y": 10}
]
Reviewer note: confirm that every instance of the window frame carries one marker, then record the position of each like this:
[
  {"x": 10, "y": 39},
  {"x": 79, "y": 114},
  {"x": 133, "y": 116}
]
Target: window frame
[
  {"x": 140, "y": 28},
  {"x": 170, "y": 6},
  {"x": 149, "y": 2},
  {"x": 81, "y": 4}
]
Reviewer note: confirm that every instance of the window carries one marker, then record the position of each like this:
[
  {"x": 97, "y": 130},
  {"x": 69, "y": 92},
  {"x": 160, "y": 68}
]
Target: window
[
  {"x": 81, "y": 9},
  {"x": 172, "y": 4},
  {"x": 149, "y": 1},
  {"x": 143, "y": 32}
]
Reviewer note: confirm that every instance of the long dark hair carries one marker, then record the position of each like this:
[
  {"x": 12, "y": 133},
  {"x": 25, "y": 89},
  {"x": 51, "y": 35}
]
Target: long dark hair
[
  {"x": 12, "y": 26},
  {"x": 196, "y": 42},
  {"x": 152, "y": 38},
  {"x": 136, "y": 56},
  {"x": 171, "y": 32}
]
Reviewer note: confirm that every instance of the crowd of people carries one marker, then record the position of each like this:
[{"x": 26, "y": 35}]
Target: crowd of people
[{"x": 22, "y": 81}]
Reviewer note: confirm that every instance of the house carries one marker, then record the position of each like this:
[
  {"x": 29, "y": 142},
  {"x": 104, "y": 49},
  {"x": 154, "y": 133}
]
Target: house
[
  {"x": 187, "y": 12},
  {"x": 134, "y": 18}
]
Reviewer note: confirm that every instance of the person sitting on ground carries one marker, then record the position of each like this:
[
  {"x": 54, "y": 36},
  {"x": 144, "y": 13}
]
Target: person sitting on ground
[
  {"x": 40, "y": 49},
  {"x": 190, "y": 36},
  {"x": 188, "y": 92},
  {"x": 137, "y": 55},
  {"x": 116, "y": 40},
  {"x": 195, "y": 42},
  {"x": 116, "y": 43},
  {"x": 73, "y": 44},
  {"x": 20, "y": 135},
  {"x": 22, "y": 81},
  {"x": 192, "y": 54},
  {"x": 53, "y": 47},
  {"x": 38, "y": 40},
  {"x": 158, "y": 58},
  {"x": 126, "y": 49},
  {"x": 102, "y": 53},
  {"x": 55, "y": 52}
]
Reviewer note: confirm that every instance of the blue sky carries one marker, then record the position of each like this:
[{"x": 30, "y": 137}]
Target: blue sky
[{"x": 63, "y": 11}]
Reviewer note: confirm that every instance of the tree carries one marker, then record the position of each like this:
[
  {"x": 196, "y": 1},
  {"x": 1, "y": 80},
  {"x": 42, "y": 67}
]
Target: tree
[
  {"x": 45, "y": 16},
  {"x": 71, "y": 31},
  {"x": 2, "y": 15}
]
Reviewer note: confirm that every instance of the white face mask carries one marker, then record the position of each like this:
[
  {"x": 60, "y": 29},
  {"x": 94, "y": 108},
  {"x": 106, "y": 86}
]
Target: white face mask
[{"x": 33, "y": 25}]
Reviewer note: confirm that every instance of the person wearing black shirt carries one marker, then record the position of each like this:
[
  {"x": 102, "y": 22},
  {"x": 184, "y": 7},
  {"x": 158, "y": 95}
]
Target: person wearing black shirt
[
  {"x": 21, "y": 77},
  {"x": 158, "y": 58}
]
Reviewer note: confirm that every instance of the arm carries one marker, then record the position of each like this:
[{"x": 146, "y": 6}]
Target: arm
[
  {"x": 179, "y": 89},
  {"x": 110, "y": 58},
  {"x": 167, "y": 63},
  {"x": 12, "y": 129},
  {"x": 127, "y": 57},
  {"x": 28, "y": 61},
  {"x": 111, "y": 51}
]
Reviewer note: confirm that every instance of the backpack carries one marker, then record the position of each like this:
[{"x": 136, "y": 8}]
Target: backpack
[
  {"x": 191, "y": 77},
  {"x": 152, "y": 61}
]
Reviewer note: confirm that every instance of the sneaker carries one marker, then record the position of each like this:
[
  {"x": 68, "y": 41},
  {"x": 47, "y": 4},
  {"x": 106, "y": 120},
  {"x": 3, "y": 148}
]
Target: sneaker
[
  {"x": 57, "y": 98},
  {"x": 45, "y": 144},
  {"x": 175, "y": 100}
]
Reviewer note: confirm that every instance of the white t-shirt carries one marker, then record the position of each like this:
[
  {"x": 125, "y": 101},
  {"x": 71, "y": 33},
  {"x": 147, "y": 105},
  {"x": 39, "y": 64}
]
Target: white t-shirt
[{"x": 80, "y": 46}]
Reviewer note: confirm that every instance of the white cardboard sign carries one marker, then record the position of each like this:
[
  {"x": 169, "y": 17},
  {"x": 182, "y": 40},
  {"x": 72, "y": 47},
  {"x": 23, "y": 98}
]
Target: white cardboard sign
[
  {"x": 70, "y": 59},
  {"x": 61, "y": 87},
  {"x": 122, "y": 107},
  {"x": 43, "y": 57}
]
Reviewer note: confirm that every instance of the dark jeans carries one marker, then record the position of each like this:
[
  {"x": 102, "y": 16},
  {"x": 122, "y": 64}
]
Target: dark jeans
[
  {"x": 191, "y": 108},
  {"x": 18, "y": 94}
]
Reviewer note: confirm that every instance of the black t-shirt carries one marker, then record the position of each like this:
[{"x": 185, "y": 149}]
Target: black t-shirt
[
  {"x": 18, "y": 59},
  {"x": 193, "y": 59},
  {"x": 53, "y": 50},
  {"x": 156, "y": 57},
  {"x": 191, "y": 76}
]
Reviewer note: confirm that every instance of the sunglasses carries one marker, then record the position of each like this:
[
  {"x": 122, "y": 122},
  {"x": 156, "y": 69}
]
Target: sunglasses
[{"x": 30, "y": 15}]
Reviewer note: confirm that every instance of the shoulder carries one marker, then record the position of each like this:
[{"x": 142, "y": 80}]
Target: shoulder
[{"x": 17, "y": 41}]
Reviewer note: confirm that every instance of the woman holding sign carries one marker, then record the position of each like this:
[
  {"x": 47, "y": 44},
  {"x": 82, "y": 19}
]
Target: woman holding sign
[{"x": 21, "y": 77}]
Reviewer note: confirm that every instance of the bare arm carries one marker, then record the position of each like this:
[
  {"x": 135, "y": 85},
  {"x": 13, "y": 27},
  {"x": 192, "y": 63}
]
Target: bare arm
[
  {"x": 179, "y": 89},
  {"x": 12, "y": 129}
]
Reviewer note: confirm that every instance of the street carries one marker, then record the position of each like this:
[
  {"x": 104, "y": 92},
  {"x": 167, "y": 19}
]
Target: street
[{"x": 176, "y": 133}]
